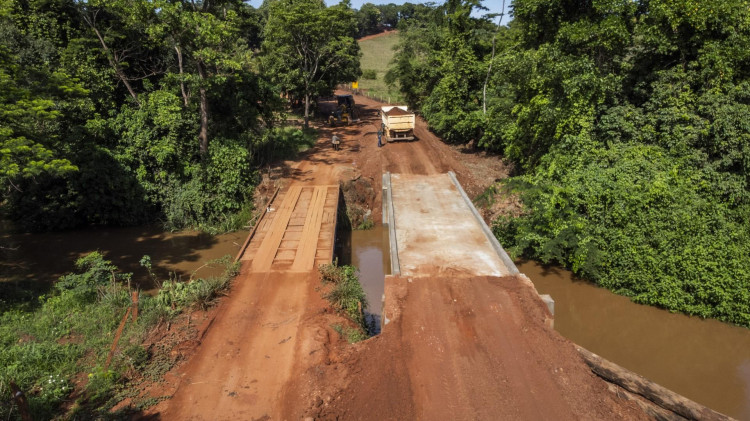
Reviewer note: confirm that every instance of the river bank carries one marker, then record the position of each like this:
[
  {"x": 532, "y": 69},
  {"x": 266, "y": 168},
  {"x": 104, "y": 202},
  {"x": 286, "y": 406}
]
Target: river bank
[
  {"x": 703, "y": 359},
  {"x": 37, "y": 260}
]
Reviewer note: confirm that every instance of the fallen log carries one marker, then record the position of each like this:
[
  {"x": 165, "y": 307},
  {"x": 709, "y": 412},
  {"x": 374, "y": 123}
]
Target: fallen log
[
  {"x": 642, "y": 386},
  {"x": 651, "y": 409}
]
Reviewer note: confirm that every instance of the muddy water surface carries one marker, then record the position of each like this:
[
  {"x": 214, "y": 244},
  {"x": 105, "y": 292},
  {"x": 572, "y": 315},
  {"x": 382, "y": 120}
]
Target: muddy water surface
[
  {"x": 369, "y": 253},
  {"x": 43, "y": 257},
  {"x": 704, "y": 360}
]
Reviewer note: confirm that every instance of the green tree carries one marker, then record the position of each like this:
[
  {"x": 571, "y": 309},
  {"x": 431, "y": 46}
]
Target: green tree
[
  {"x": 28, "y": 118},
  {"x": 207, "y": 42},
  {"x": 390, "y": 14},
  {"x": 309, "y": 48},
  {"x": 369, "y": 19}
]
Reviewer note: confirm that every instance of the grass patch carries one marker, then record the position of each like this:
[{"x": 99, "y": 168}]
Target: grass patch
[
  {"x": 71, "y": 330},
  {"x": 345, "y": 294},
  {"x": 352, "y": 335},
  {"x": 377, "y": 54}
]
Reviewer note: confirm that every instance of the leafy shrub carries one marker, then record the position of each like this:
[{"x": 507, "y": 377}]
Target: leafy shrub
[
  {"x": 174, "y": 295},
  {"x": 352, "y": 335},
  {"x": 217, "y": 190},
  {"x": 346, "y": 294},
  {"x": 370, "y": 74},
  {"x": 42, "y": 349},
  {"x": 642, "y": 223},
  {"x": 96, "y": 274},
  {"x": 282, "y": 143}
]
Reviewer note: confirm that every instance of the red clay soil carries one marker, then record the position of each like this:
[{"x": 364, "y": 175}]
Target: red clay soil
[
  {"x": 395, "y": 111},
  {"x": 379, "y": 34},
  {"x": 458, "y": 348},
  {"x": 471, "y": 348}
]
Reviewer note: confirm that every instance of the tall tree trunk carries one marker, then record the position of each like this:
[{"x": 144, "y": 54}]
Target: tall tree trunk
[
  {"x": 489, "y": 70},
  {"x": 110, "y": 57},
  {"x": 307, "y": 110},
  {"x": 492, "y": 58},
  {"x": 203, "y": 133},
  {"x": 185, "y": 96}
]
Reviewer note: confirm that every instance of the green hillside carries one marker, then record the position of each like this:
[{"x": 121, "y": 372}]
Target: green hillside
[{"x": 376, "y": 55}]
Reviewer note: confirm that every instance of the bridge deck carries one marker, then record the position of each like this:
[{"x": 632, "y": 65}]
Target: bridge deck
[
  {"x": 297, "y": 235},
  {"x": 437, "y": 231}
]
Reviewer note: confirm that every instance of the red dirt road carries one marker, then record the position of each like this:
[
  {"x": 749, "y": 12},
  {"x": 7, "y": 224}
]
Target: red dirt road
[
  {"x": 247, "y": 354},
  {"x": 457, "y": 348}
]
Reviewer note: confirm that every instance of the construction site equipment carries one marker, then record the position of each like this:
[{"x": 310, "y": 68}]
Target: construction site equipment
[
  {"x": 397, "y": 122},
  {"x": 345, "y": 110}
]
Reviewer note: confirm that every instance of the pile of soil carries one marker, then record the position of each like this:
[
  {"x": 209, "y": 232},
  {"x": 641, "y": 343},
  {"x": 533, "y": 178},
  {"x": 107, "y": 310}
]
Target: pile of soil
[
  {"x": 460, "y": 348},
  {"x": 396, "y": 111},
  {"x": 359, "y": 198}
]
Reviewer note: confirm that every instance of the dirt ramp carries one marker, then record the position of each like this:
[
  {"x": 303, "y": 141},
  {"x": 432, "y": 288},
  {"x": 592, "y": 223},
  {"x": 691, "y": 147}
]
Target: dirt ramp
[{"x": 470, "y": 348}]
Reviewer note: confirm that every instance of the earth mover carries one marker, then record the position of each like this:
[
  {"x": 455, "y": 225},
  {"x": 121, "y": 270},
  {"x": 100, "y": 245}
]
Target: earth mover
[
  {"x": 397, "y": 122},
  {"x": 344, "y": 113}
]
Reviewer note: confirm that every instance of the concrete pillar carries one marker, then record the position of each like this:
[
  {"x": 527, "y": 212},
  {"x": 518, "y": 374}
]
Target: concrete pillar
[{"x": 550, "y": 303}]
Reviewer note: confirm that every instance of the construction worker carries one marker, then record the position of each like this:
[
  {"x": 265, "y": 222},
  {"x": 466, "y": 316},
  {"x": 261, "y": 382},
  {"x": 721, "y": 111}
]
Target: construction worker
[
  {"x": 380, "y": 136},
  {"x": 335, "y": 141}
]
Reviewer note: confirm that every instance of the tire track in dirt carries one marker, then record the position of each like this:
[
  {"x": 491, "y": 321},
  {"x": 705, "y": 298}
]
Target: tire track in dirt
[{"x": 247, "y": 355}]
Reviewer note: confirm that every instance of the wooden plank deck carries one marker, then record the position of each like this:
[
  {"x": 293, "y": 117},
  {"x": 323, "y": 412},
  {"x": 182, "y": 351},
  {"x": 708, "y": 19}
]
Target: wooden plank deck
[{"x": 298, "y": 235}]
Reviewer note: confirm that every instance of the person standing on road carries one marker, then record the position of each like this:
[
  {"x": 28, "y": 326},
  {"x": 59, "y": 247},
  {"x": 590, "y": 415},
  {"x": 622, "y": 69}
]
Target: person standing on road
[
  {"x": 335, "y": 141},
  {"x": 380, "y": 136}
]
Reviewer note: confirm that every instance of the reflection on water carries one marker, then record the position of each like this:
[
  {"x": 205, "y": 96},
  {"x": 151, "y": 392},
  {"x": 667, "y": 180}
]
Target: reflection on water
[
  {"x": 369, "y": 253},
  {"x": 41, "y": 258},
  {"x": 704, "y": 360}
]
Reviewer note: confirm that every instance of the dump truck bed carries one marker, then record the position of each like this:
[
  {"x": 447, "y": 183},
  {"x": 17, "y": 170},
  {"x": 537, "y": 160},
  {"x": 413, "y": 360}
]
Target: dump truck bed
[{"x": 398, "y": 122}]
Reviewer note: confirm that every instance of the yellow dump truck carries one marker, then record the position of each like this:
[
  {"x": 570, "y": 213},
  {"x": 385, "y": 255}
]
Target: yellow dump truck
[{"x": 397, "y": 122}]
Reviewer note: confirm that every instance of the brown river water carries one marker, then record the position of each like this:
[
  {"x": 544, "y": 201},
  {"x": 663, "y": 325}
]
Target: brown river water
[
  {"x": 42, "y": 258},
  {"x": 704, "y": 360},
  {"x": 368, "y": 251}
]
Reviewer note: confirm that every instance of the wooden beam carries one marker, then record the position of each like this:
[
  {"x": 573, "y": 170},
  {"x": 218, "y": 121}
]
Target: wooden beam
[
  {"x": 258, "y": 221},
  {"x": 642, "y": 386},
  {"x": 267, "y": 251},
  {"x": 308, "y": 245}
]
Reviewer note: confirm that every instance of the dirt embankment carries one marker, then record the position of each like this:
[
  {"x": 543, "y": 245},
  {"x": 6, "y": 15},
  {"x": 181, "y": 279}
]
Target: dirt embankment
[
  {"x": 379, "y": 34},
  {"x": 459, "y": 348}
]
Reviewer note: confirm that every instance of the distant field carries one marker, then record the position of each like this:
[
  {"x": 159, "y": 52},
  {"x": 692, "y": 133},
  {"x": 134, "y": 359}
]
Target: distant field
[{"x": 377, "y": 54}]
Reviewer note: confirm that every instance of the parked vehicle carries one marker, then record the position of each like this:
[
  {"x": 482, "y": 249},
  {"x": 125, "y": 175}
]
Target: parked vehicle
[{"x": 397, "y": 122}]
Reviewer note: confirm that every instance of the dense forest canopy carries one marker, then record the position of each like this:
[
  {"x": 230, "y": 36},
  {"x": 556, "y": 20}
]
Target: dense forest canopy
[
  {"x": 629, "y": 126},
  {"x": 128, "y": 112}
]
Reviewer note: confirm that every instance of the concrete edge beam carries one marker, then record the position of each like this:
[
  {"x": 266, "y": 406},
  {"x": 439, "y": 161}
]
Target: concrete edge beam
[
  {"x": 512, "y": 269},
  {"x": 547, "y": 299},
  {"x": 393, "y": 243},
  {"x": 383, "y": 199}
]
